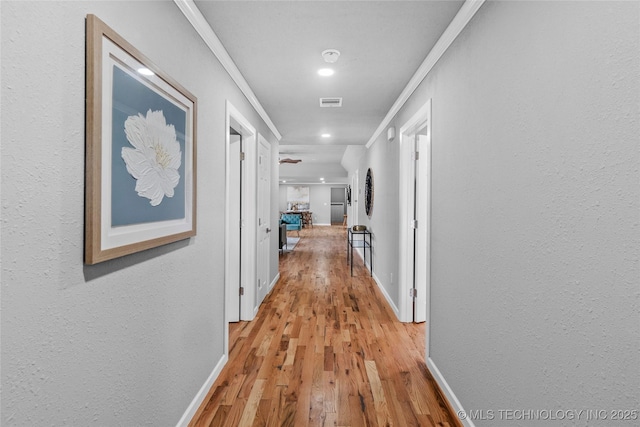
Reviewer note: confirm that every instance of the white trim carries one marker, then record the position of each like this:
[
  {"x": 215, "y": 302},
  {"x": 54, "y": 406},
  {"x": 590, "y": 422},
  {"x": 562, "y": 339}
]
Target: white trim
[
  {"x": 459, "y": 22},
  {"x": 405, "y": 229},
  {"x": 233, "y": 118},
  {"x": 355, "y": 197},
  {"x": 249, "y": 212},
  {"x": 418, "y": 118},
  {"x": 360, "y": 253},
  {"x": 202, "y": 27},
  {"x": 230, "y": 226},
  {"x": 423, "y": 233},
  {"x": 393, "y": 305},
  {"x": 227, "y": 231},
  {"x": 386, "y": 295},
  {"x": 449, "y": 394},
  {"x": 202, "y": 394},
  {"x": 273, "y": 282},
  {"x": 407, "y": 199}
]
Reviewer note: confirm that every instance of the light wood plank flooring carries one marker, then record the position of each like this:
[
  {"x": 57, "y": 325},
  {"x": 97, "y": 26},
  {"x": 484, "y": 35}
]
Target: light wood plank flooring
[{"x": 324, "y": 350}]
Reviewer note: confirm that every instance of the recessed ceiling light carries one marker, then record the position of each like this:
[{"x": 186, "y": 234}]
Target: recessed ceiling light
[
  {"x": 321, "y": 179},
  {"x": 325, "y": 72},
  {"x": 145, "y": 72},
  {"x": 284, "y": 180},
  {"x": 326, "y": 135}
]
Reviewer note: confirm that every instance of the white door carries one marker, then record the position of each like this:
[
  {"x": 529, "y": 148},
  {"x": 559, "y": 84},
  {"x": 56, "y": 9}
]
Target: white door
[
  {"x": 264, "y": 219},
  {"x": 415, "y": 217},
  {"x": 234, "y": 264},
  {"x": 240, "y": 218},
  {"x": 406, "y": 226}
]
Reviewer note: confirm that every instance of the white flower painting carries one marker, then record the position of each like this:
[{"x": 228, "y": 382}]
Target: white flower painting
[{"x": 155, "y": 157}]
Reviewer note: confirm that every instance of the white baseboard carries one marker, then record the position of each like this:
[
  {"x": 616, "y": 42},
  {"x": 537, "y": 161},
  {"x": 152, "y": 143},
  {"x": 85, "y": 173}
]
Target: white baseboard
[
  {"x": 321, "y": 225},
  {"x": 386, "y": 296},
  {"x": 202, "y": 394},
  {"x": 393, "y": 305},
  {"x": 273, "y": 282},
  {"x": 360, "y": 253},
  {"x": 449, "y": 394}
]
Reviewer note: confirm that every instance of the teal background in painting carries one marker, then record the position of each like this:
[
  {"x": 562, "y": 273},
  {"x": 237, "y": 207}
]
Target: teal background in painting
[{"x": 131, "y": 97}]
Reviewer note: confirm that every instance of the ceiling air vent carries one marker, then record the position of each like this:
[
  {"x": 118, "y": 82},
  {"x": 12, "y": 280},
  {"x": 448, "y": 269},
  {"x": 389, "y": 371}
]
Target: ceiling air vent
[{"x": 331, "y": 102}]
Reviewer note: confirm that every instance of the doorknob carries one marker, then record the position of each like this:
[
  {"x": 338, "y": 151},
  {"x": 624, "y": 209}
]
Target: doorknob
[{"x": 268, "y": 230}]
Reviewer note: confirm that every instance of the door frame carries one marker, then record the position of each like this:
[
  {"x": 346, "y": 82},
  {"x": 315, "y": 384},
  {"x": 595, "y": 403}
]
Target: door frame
[
  {"x": 233, "y": 231},
  {"x": 407, "y": 202},
  {"x": 234, "y": 119}
]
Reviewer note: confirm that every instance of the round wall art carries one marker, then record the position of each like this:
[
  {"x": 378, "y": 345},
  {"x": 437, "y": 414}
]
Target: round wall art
[{"x": 368, "y": 193}]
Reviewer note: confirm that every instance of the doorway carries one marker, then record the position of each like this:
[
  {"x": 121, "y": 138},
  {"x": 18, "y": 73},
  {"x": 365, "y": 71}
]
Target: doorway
[
  {"x": 234, "y": 238},
  {"x": 415, "y": 217},
  {"x": 338, "y": 205},
  {"x": 240, "y": 219}
]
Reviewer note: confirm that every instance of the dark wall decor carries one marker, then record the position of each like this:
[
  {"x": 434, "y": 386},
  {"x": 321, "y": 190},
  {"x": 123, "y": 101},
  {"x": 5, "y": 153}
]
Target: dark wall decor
[{"x": 368, "y": 193}]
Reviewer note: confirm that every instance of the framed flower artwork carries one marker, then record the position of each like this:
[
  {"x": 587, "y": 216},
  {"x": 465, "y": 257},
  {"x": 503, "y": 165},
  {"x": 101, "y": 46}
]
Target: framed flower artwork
[{"x": 140, "y": 179}]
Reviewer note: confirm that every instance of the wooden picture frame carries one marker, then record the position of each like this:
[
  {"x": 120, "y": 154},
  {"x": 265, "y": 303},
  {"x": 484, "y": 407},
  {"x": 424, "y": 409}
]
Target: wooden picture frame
[{"x": 140, "y": 165}]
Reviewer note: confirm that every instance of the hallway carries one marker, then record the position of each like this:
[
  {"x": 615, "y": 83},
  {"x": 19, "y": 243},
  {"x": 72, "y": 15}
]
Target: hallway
[{"x": 323, "y": 351}]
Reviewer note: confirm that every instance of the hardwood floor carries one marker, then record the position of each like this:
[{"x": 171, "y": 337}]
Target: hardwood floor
[{"x": 325, "y": 349}]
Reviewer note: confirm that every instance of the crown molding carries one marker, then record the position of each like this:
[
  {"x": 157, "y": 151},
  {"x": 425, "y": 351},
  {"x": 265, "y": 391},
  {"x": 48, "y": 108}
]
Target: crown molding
[
  {"x": 459, "y": 22},
  {"x": 202, "y": 27}
]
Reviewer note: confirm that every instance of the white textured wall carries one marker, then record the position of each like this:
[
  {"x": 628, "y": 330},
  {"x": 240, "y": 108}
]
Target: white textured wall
[
  {"x": 383, "y": 159},
  {"x": 320, "y": 203},
  {"x": 129, "y": 341},
  {"x": 536, "y": 209}
]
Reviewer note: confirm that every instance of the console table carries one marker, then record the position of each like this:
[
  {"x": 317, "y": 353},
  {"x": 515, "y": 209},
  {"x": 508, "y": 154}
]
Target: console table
[{"x": 359, "y": 239}]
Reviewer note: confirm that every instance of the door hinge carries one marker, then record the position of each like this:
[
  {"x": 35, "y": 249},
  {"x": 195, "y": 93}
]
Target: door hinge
[
  {"x": 414, "y": 224},
  {"x": 242, "y": 156},
  {"x": 413, "y": 293},
  {"x": 241, "y": 290},
  {"x": 417, "y": 155}
]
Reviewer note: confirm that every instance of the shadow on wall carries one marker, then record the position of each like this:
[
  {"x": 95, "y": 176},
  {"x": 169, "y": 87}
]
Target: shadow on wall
[{"x": 96, "y": 271}]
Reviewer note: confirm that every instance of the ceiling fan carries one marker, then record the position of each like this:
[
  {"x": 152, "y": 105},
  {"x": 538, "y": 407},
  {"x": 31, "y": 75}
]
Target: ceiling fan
[{"x": 288, "y": 160}]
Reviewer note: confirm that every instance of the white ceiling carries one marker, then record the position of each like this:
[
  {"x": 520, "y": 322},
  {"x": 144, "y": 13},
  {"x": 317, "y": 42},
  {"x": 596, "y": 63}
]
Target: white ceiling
[{"x": 277, "y": 47}]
